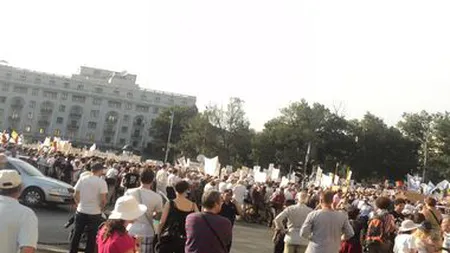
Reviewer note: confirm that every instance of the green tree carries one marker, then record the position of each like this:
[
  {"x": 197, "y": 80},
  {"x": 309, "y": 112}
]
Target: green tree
[
  {"x": 233, "y": 133},
  {"x": 160, "y": 127}
]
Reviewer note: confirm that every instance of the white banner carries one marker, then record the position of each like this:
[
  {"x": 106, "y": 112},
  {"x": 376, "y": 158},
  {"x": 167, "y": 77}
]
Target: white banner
[{"x": 211, "y": 165}]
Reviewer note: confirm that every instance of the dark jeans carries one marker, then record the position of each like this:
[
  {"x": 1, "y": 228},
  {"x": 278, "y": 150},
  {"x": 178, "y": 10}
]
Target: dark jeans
[{"x": 89, "y": 224}]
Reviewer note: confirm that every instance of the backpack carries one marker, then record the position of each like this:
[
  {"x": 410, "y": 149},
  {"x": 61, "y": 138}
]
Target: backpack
[{"x": 376, "y": 230}]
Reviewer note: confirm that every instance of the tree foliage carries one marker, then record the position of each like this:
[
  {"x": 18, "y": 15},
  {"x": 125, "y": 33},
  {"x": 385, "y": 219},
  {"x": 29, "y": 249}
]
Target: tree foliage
[{"x": 368, "y": 146}]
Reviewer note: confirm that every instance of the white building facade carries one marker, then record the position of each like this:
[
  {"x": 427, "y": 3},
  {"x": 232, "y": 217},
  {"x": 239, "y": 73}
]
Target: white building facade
[{"x": 93, "y": 106}]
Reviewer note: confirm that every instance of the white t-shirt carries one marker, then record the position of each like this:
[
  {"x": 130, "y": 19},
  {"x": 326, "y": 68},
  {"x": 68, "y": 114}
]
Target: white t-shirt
[
  {"x": 112, "y": 173},
  {"x": 208, "y": 187},
  {"x": 288, "y": 194},
  {"x": 153, "y": 201},
  {"x": 404, "y": 243},
  {"x": 161, "y": 178},
  {"x": 90, "y": 188},
  {"x": 172, "y": 180},
  {"x": 239, "y": 193},
  {"x": 18, "y": 226},
  {"x": 222, "y": 187}
]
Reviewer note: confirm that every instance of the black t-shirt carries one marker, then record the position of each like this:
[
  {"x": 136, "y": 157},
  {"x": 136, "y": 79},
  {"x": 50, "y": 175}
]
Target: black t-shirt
[
  {"x": 131, "y": 180},
  {"x": 229, "y": 211}
]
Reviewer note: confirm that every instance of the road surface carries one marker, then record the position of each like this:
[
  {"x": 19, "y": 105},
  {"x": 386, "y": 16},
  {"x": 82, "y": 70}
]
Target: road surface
[{"x": 247, "y": 238}]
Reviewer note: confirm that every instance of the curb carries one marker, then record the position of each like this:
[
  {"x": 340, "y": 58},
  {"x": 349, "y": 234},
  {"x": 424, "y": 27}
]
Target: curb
[{"x": 50, "y": 249}]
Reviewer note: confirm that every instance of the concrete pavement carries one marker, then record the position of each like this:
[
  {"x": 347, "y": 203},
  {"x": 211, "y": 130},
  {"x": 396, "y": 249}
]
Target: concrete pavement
[{"x": 247, "y": 238}]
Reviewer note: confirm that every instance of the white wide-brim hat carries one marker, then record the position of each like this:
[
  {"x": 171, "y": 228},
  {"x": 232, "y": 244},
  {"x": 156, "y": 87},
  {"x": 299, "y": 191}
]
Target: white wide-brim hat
[
  {"x": 408, "y": 225},
  {"x": 127, "y": 208}
]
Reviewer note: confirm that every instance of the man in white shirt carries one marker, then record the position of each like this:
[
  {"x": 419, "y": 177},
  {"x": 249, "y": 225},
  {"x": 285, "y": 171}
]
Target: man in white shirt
[
  {"x": 295, "y": 216},
  {"x": 143, "y": 227},
  {"x": 18, "y": 223},
  {"x": 223, "y": 184},
  {"x": 90, "y": 197},
  {"x": 161, "y": 180},
  {"x": 239, "y": 193}
]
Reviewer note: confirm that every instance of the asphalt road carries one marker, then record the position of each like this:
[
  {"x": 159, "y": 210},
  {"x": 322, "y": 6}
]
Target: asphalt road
[{"x": 247, "y": 238}]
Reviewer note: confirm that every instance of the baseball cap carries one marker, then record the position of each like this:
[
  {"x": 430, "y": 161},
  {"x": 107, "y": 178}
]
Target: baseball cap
[{"x": 9, "y": 179}]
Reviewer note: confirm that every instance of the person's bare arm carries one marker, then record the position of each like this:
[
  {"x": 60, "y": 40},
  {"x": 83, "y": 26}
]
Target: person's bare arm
[
  {"x": 76, "y": 197},
  {"x": 27, "y": 250},
  {"x": 103, "y": 200},
  {"x": 164, "y": 215}
]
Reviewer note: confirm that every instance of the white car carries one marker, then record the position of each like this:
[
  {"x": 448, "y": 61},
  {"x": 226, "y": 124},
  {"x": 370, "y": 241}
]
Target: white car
[{"x": 39, "y": 189}]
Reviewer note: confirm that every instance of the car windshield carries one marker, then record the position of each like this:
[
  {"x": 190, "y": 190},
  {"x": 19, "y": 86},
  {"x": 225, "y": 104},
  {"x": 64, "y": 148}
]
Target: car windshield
[{"x": 27, "y": 168}]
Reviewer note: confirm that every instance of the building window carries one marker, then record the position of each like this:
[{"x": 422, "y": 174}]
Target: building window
[
  {"x": 23, "y": 77},
  {"x": 8, "y": 75},
  {"x": 114, "y": 104},
  {"x": 35, "y": 92},
  {"x": 128, "y": 106},
  {"x": 136, "y": 133},
  {"x": 91, "y": 137},
  {"x": 2, "y": 100},
  {"x": 32, "y": 104},
  {"x": 111, "y": 119},
  {"x": 97, "y": 101},
  {"x": 184, "y": 102},
  {"x": 30, "y": 115},
  {"x": 116, "y": 92},
  {"x": 80, "y": 87},
  {"x": 64, "y": 95},
  {"x": 155, "y": 110},
  {"x": 37, "y": 80},
  {"x": 60, "y": 120},
  {"x": 107, "y": 139},
  {"x": 157, "y": 99},
  {"x": 124, "y": 129},
  {"x": 51, "y": 82},
  {"x": 142, "y": 108},
  {"x": 95, "y": 113},
  {"x": 98, "y": 90},
  {"x": 20, "y": 89},
  {"x": 171, "y": 101},
  {"x": 50, "y": 94},
  {"x": 129, "y": 95},
  {"x": 28, "y": 129},
  {"x": 122, "y": 141},
  {"x": 144, "y": 97},
  {"x": 66, "y": 85},
  {"x": 57, "y": 132},
  {"x": 5, "y": 87},
  {"x": 126, "y": 118},
  {"x": 92, "y": 125},
  {"x": 77, "y": 98},
  {"x": 62, "y": 108},
  {"x": 41, "y": 130},
  {"x": 135, "y": 143}
]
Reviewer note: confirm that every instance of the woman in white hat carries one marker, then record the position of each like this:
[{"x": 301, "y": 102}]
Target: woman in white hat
[
  {"x": 113, "y": 236},
  {"x": 404, "y": 241}
]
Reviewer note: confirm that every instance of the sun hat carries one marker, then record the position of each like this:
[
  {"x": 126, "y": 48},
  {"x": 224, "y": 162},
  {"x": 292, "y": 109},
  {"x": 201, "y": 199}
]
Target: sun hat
[
  {"x": 9, "y": 179},
  {"x": 408, "y": 225},
  {"x": 127, "y": 208}
]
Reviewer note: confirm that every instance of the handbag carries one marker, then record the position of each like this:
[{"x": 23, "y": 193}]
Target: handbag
[
  {"x": 150, "y": 221},
  {"x": 215, "y": 233}
]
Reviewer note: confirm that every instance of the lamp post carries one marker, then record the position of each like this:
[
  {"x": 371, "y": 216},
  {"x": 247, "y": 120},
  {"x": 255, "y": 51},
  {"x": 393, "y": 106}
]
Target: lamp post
[{"x": 168, "y": 138}]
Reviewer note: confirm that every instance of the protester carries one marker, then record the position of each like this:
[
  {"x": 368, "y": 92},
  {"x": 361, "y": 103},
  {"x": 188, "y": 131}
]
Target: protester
[
  {"x": 325, "y": 227},
  {"x": 208, "y": 231},
  {"x": 113, "y": 236},
  {"x": 404, "y": 241},
  {"x": 143, "y": 226},
  {"x": 353, "y": 244},
  {"x": 172, "y": 227},
  {"x": 295, "y": 216},
  {"x": 18, "y": 224},
  {"x": 433, "y": 216},
  {"x": 90, "y": 197}
]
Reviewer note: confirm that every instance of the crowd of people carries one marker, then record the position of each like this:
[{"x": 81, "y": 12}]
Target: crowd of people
[{"x": 159, "y": 207}]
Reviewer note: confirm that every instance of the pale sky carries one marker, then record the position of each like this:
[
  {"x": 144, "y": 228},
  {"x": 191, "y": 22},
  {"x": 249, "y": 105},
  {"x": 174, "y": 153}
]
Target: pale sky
[{"x": 385, "y": 56}]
